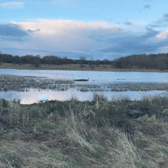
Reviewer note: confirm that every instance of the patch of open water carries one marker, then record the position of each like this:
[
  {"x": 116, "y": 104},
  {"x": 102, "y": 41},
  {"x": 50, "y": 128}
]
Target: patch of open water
[
  {"x": 95, "y": 78},
  {"x": 33, "y": 95}
]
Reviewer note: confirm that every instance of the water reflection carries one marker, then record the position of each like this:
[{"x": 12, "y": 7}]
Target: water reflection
[{"x": 32, "y": 96}]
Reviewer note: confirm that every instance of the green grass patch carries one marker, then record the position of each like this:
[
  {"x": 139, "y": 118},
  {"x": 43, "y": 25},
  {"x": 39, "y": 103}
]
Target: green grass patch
[
  {"x": 49, "y": 125},
  {"x": 100, "y": 133}
]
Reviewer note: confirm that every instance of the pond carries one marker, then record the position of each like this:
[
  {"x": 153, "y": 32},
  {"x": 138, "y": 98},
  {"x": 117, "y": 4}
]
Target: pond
[{"x": 113, "y": 85}]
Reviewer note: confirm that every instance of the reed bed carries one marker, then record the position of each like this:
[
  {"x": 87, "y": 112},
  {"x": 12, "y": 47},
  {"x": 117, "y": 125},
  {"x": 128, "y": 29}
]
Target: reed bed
[
  {"x": 78, "y": 67},
  {"x": 74, "y": 134}
]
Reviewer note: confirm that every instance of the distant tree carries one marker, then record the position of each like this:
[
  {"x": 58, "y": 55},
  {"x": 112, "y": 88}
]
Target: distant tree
[
  {"x": 105, "y": 61},
  {"x": 38, "y": 56},
  {"x": 160, "y": 63},
  {"x": 97, "y": 62},
  {"x": 16, "y": 59},
  {"x": 36, "y": 62},
  {"x": 82, "y": 58},
  {"x": 27, "y": 59},
  {"x": 52, "y": 60},
  {"x": 6, "y": 58}
]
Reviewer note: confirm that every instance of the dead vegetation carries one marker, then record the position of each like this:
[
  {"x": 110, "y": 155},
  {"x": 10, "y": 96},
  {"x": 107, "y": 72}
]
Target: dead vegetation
[
  {"x": 87, "y": 134},
  {"x": 78, "y": 67}
]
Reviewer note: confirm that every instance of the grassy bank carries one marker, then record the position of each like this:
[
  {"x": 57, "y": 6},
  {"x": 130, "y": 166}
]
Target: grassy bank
[
  {"x": 78, "y": 67},
  {"x": 75, "y": 134}
]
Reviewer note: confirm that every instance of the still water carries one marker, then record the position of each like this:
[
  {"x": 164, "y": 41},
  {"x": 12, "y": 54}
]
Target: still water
[
  {"x": 96, "y": 77},
  {"x": 33, "y": 95}
]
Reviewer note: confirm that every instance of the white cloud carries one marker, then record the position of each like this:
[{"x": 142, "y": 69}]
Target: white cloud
[
  {"x": 67, "y": 27},
  {"x": 162, "y": 35},
  {"x": 12, "y": 4},
  {"x": 66, "y": 35}
]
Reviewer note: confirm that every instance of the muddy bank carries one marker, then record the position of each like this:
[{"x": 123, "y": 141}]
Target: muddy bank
[{"x": 23, "y": 83}]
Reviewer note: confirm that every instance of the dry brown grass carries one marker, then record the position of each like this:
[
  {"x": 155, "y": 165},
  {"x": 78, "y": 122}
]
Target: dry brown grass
[
  {"x": 73, "y": 67},
  {"x": 77, "y": 134},
  {"x": 28, "y": 155}
]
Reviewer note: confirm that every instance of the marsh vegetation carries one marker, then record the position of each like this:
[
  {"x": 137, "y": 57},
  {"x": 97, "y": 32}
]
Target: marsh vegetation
[
  {"x": 98, "y": 133},
  {"x": 22, "y": 83}
]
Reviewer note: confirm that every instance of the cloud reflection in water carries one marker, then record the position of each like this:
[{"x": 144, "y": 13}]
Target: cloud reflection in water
[{"x": 32, "y": 96}]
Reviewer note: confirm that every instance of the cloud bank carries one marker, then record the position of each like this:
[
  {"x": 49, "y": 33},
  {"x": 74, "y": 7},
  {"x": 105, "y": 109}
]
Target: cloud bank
[
  {"x": 139, "y": 44},
  {"x": 73, "y": 39},
  {"x": 12, "y": 30}
]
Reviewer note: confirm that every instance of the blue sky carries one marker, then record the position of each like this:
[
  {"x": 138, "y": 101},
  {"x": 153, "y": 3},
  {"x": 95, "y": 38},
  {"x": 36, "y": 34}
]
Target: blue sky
[{"x": 94, "y": 29}]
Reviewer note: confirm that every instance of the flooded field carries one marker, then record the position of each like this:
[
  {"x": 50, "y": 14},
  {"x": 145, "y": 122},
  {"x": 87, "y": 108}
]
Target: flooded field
[{"x": 28, "y": 85}]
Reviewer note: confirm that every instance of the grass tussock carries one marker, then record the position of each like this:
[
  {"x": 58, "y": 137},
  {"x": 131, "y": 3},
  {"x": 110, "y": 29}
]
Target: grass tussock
[{"x": 94, "y": 134}]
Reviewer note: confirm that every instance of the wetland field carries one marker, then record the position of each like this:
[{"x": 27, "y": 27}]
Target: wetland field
[
  {"x": 74, "y": 134},
  {"x": 28, "y": 85},
  {"x": 107, "y": 120}
]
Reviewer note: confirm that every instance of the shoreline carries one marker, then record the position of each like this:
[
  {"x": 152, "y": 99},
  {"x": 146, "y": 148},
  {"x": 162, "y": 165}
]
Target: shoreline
[{"x": 74, "y": 67}]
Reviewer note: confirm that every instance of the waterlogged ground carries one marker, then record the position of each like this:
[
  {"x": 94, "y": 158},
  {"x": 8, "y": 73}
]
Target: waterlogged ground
[{"x": 28, "y": 85}]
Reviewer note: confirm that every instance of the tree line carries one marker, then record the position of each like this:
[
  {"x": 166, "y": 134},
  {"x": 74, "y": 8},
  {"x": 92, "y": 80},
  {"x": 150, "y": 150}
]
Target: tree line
[
  {"x": 141, "y": 61},
  {"x": 37, "y": 60}
]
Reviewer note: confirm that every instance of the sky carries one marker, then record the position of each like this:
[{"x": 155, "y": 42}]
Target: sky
[{"x": 94, "y": 29}]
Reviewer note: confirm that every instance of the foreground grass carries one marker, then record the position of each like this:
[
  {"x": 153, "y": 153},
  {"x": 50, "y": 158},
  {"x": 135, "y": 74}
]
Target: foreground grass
[
  {"x": 71, "y": 134},
  {"x": 77, "y": 67}
]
